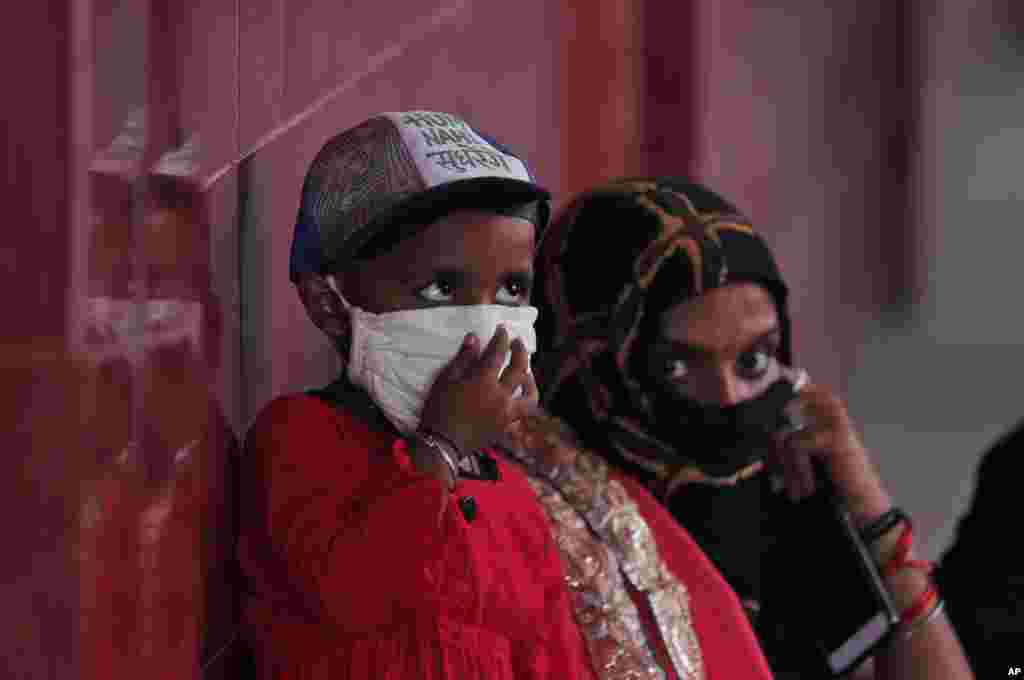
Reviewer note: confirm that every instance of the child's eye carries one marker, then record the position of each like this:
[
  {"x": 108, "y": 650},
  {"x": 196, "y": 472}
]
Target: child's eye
[
  {"x": 437, "y": 291},
  {"x": 512, "y": 293}
]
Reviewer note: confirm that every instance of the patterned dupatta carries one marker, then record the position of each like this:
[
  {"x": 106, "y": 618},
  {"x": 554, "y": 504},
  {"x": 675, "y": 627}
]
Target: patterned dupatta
[{"x": 603, "y": 542}]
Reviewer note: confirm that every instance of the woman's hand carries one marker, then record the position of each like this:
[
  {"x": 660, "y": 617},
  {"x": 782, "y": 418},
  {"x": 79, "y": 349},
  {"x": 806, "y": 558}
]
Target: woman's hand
[
  {"x": 828, "y": 434},
  {"x": 473, "y": 401}
]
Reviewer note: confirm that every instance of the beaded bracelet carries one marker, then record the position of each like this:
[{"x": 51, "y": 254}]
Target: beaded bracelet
[
  {"x": 922, "y": 604},
  {"x": 925, "y": 609},
  {"x": 915, "y": 625}
]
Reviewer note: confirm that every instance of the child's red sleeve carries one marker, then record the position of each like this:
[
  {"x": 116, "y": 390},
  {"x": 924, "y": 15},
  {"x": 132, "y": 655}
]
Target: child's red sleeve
[{"x": 361, "y": 534}]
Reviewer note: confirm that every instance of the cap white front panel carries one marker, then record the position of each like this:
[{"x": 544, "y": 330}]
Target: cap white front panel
[{"x": 447, "y": 149}]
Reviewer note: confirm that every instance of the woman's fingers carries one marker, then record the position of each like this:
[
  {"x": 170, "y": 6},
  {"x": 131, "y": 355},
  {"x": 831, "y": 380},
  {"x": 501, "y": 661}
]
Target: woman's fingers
[
  {"x": 828, "y": 434},
  {"x": 804, "y": 474},
  {"x": 811, "y": 441},
  {"x": 812, "y": 435},
  {"x": 779, "y": 458},
  {"x": 794, "y": 465}
]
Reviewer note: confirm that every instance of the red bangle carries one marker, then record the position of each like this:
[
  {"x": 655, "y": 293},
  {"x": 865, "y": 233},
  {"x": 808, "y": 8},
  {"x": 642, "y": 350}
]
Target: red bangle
[
  {"x": 899, "y": 558},
  {"x": 921, "y": 605},
  {"x": 923, "y": 565},
  {"x": 927, "y": 600}
]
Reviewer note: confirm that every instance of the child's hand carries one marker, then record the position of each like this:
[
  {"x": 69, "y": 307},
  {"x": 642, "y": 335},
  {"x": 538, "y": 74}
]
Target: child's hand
[{"x": 472, "y": 402}]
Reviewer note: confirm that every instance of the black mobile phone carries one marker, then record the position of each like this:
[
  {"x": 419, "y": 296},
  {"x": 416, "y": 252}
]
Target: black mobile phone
[{"x": 838, "y": 602}]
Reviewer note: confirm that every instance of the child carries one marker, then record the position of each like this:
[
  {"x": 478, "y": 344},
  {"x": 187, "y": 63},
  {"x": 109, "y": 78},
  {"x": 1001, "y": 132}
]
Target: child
[{"x": 386, "y": 535}]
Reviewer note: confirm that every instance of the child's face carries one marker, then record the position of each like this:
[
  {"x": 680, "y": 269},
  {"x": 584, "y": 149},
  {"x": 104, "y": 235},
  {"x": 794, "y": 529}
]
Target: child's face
[{"x": 466, "y": 258}]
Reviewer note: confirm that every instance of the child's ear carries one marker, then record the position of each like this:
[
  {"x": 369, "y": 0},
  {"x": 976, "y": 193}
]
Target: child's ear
[{"x": 324, "y": 306}]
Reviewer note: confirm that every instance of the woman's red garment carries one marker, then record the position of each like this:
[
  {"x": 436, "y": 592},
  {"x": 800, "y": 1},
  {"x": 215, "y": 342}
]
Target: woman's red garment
[
  {"x": 728, "y": 644},
  {"x": 359, "y": 567}
]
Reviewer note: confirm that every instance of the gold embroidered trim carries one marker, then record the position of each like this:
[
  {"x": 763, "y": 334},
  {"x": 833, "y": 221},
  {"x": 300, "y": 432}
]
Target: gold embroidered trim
[{"x": 602, "y": 538}]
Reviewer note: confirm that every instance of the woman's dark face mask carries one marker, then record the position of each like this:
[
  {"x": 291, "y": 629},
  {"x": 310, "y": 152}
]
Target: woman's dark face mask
[{"x": 722, "y": 440}]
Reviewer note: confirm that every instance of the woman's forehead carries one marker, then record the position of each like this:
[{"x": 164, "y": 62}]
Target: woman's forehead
[{"x": 722, "y": 320}]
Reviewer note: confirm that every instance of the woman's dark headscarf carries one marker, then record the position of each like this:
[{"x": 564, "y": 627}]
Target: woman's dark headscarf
[{"x": 612, "y": 262}]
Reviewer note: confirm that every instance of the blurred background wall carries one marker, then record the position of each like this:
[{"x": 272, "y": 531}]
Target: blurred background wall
[
  {"x": 935, "y": 382},
  {"x": 874, "y": 143},
  {"x": 877, "y": 146}
]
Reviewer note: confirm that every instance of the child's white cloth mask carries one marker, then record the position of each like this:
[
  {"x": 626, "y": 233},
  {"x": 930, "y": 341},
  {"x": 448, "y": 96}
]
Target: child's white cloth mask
[{"x": 396, "y": 356}]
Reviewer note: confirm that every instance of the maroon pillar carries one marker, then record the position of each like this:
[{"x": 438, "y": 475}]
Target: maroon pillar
[
  {"x": 670, "y": 60},
  {"x": 37, "y": 585}
]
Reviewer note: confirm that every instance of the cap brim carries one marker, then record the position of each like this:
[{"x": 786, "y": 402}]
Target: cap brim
[{"x": 417, "y": 212}]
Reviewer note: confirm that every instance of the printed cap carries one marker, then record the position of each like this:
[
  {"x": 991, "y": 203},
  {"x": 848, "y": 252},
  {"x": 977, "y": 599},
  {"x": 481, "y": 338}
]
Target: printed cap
[{"x": 393, "y": 175}]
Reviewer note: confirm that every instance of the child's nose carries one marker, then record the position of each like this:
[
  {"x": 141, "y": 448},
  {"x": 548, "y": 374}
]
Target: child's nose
[{"x": 478, "y": 297}]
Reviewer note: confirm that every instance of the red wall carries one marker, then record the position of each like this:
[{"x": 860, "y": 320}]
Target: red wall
[
  {"x": 39, "y": 397},
  {"x": 807, "y": 120}
]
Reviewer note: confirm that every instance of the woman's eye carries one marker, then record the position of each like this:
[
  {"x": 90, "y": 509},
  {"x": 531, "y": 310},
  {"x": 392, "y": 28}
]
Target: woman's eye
[
  {"x": 437, "y": 291},
  {"x": 675, "y": 369},
  {"x": 512, "y": 293},
  {"x": 753, "y": 365}
]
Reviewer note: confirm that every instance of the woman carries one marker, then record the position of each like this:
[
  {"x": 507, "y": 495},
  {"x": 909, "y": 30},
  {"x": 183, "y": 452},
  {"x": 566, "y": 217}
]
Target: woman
[
  {"x": 667, "y": 341},
  {"x": 385, "y": 535}
]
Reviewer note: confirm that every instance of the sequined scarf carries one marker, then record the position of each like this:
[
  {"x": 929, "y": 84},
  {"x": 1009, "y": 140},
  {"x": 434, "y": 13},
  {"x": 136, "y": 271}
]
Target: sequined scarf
[{"x": 604, "y": 541}]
